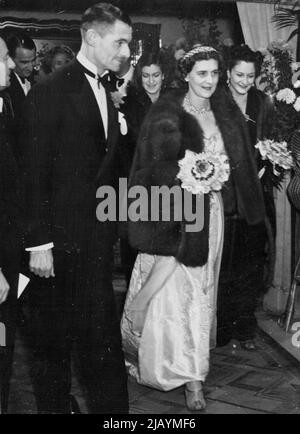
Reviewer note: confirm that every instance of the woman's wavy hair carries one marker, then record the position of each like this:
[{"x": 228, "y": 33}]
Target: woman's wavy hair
[
  {"x": 62, "y": 49},
  {"x": 197, "y": 53},
  {"x": 147, "y": 58},
  {"x": 46, "y": 62},
  {"x": 242, "y": 53}
]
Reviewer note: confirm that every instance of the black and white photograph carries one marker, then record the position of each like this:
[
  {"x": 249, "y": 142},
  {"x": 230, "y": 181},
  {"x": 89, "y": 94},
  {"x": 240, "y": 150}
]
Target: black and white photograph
[{"x": 149, "y": 209}]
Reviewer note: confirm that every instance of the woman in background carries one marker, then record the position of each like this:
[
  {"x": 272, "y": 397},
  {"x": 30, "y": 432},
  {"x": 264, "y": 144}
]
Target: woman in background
[
  {"x": 244, "y": 259},
  {"x": 60, "y": 56},
  {"x": 56, "y": 58},
  {"x": 144, "y": 89}
]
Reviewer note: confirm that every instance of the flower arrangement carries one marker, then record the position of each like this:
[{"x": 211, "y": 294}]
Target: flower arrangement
[
  {"x": 276, "y": 71},
  {"x": 279, "y": 80},
  {"x": 201, "y": 30},
  {"x": 204, "y": 172},
  {"x": 276, "y": 154}
]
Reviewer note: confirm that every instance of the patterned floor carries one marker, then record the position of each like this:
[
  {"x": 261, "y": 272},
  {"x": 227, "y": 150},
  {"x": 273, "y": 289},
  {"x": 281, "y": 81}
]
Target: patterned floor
[{"x": 240, "y": 382}]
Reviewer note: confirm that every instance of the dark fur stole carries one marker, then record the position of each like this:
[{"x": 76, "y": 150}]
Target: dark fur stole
[
  {"x": 167, "y": 132},
  {"x": 165, "y": 135},
  {"x": 242, "y": 194}
]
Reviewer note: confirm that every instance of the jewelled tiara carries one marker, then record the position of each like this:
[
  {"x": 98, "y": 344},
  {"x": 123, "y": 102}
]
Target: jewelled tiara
[{"x": 199, "y": 49}]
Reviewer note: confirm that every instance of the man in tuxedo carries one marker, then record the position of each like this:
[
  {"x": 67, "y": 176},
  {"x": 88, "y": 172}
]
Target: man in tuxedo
[
  {"x": 10, "y": 233},
  {"x": 22, "y": 50},
  {"x": 71, "y": 148}
]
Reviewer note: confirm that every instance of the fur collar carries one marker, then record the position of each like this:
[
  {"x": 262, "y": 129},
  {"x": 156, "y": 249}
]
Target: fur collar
[{"x": 242, "y": 194}]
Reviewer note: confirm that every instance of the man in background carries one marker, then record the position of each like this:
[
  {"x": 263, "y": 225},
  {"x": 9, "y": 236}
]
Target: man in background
[
  {"x": 10, "y": 231},
  {"x": 22, "y": 50}
]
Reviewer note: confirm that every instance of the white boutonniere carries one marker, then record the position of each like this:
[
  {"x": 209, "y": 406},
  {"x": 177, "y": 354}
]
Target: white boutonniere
[
  {"x": 117, "y": 99},
  {"x": 1, "y": 105},
  {"x": 123, "y": 124}
]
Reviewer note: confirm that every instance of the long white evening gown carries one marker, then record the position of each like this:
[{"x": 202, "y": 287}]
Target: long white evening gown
[{"x": 180, "y": 321}]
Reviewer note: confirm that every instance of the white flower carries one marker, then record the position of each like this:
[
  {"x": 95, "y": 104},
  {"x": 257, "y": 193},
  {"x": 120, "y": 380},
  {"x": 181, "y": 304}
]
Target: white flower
[
  {"x": 296, "y": 104},
  {"x": 263, "y": 51},
  {"x": 287, "y": 95},
  {"x": 228, "y": 42},
  {"x": 123, "y": 124},
  {"x": 203, "y": 172},
  {"x": 286, "y": 47},
  {"x": 296, "y": 84},
  {"x": 280, "y": 45},
  {"x": 295, "y": 66},
  {"x": 277, "y": 153}
]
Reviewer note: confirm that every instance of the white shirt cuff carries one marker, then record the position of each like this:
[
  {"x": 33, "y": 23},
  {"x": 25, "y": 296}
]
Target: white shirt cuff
[{"x": 40, "y": 248}]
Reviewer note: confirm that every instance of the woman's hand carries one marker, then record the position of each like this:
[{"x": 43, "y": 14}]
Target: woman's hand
[{"x": 4, "y": 288}]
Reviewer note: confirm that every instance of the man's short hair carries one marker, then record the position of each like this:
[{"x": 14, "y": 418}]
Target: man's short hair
[
  {"x": 103, "y": 13},
  {"x": 19, "y": 41}
]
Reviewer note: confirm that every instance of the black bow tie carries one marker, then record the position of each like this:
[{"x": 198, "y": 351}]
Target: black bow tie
[
  {"x": 120, "y": 81},
  {"x": 104, "y": 79}
]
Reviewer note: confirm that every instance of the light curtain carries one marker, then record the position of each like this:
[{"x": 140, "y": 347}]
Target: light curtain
[
  {"x": 276, "y": 297},
  {"x": 258, "y": 28},
  {"x": 259, "y": 31}
]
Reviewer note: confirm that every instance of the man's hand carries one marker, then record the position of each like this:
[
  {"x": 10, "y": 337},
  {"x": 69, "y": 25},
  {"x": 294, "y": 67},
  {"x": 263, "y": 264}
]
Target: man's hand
[
  {"x": 4, "y": 288},
  {"x": 41, "y": 263}
]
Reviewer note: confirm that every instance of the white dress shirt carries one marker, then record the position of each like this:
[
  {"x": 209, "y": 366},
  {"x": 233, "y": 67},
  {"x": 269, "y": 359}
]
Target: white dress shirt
[
  {"x": 25, "y": 86},
  {"x": 99, "y": 91}
]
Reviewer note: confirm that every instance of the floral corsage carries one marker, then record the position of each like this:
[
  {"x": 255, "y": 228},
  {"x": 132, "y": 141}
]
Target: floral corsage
[
  {"x": 204, "y": 172},
  {"x": 277, "y": 157},
  {"x": 117, "y": 99}
]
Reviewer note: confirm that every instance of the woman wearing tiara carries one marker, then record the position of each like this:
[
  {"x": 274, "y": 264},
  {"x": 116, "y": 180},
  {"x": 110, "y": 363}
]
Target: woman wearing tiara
[{"x": 169, "y": 320}]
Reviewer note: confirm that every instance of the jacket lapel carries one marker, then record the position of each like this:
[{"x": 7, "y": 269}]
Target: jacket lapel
[
  {"x": 85, "y": 104},
  {"x": 89, "y": 109},
  {"x": 225, "y": 119},
  {"x": 255, "y": 122},
  {"x": 113, "y": 122},
  {"x": 16, "y": 84}
]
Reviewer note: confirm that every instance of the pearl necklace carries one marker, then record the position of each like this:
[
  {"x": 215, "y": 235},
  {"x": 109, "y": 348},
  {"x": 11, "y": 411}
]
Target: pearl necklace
[{"x": 189, "y": 107}]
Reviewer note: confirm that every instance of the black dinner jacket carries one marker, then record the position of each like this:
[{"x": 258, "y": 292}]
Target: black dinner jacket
[
  {"x": 17, "y": 97},
  {"x": 11, "y": 207},
  {"x": 66, "y": 158}
]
